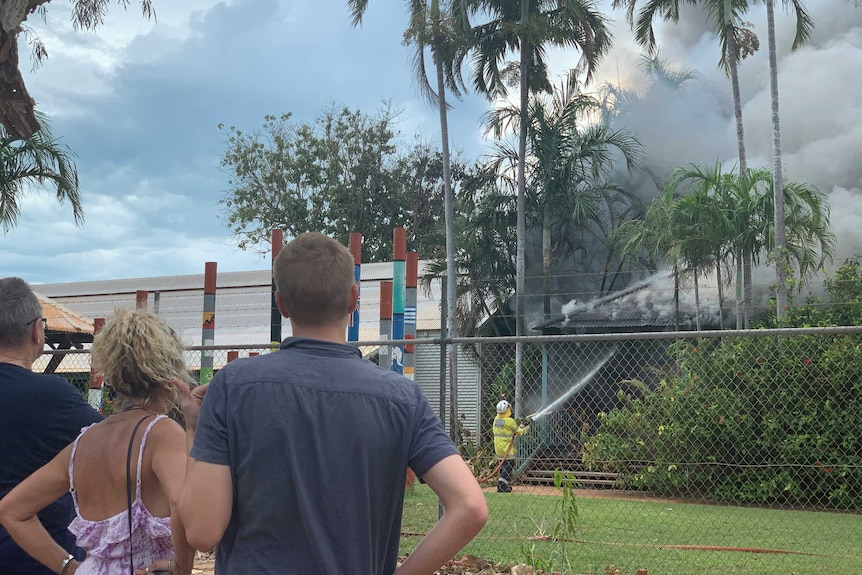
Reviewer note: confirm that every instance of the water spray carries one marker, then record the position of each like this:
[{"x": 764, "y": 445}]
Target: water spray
[{"x": 557, "y": 404}]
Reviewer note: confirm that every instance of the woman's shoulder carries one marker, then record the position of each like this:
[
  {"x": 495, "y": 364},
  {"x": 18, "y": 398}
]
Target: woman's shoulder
[{"x": 165, "y": 428}]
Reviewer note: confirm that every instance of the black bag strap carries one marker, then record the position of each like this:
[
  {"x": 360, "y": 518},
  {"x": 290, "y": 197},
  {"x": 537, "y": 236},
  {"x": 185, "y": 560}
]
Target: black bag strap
[{"x": 129, "y": 490}]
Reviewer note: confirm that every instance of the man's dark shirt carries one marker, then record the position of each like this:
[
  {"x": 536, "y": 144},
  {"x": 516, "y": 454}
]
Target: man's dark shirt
[{"x": 39, "y": 416}]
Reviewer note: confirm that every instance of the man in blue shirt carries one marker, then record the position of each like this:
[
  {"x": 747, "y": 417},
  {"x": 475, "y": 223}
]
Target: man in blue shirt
[
  {"x": 300, "y": 456},
  {"x": 39, "y": 416}
]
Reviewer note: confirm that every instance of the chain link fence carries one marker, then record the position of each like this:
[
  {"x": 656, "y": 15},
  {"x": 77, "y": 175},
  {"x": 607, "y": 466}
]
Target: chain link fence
[{"x": 674, "y": 453}]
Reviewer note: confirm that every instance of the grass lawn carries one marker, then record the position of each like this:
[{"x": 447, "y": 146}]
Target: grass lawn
[{"x": 632, "y": 534}]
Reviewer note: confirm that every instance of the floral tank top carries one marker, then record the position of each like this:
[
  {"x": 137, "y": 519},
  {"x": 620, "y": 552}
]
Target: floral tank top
[{"x": 107, "y": 541}]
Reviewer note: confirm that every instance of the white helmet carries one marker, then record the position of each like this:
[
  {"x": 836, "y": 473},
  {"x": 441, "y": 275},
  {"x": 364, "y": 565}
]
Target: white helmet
[{"x": 503, "y": 406}]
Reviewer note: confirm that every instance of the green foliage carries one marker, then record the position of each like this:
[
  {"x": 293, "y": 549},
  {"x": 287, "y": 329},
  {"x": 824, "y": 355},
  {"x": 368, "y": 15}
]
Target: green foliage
[
  {"x": 762, "y": 420},
  {"x": 347, "y": 171},
  {"x": 842, "y": 306},
  {"x": 565, "y": 528},
  {"x": 759, "y": 420},
  {"x": 42, "y": 161}
]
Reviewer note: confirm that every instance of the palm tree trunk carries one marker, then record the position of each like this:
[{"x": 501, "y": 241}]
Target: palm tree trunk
[
  {"x": 738, "y": 292},
  {"x": 696, "y": 302},
  {"x": 777, "y": 176},
  {"x": 546, "y": 263},
  {"x": 676, "y": 295},
  {"x": 449, "y": 209},
  {"x": 720, "y": 294},
  {"x": 520, "y": 261},
  {"x": 733, "y": 66}
]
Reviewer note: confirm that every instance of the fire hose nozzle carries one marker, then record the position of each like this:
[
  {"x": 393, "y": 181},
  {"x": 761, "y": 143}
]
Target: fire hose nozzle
[{"x": 526, "y": 421}]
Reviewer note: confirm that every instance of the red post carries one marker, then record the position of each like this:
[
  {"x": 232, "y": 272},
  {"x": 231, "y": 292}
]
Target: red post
[
  {"x": 232, "y": 355},
  {"x": 141, "y": 300}
]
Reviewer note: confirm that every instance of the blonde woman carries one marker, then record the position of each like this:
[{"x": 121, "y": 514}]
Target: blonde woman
[{"x": 124, "y": 473}]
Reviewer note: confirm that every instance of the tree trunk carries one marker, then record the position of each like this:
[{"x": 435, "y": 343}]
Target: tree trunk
[
  {"x": 738, "y": 292},
  {"x": 780, "y": 253},
  {"x": 546, "y": 263},
  {"x": 720, "y": 294},
  {"x": 733, "y": 67},
  {"x": 676, "y": 295},
  {"x": 520, "y": 260},
  {"x": 696, "y": 302},
  {"x": 449, "y": 209}
]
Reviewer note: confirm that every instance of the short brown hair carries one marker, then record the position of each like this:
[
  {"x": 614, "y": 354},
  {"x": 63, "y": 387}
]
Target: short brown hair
[
  {"x": 314, "y": 275},
  {"x": 139, "y": 355}
]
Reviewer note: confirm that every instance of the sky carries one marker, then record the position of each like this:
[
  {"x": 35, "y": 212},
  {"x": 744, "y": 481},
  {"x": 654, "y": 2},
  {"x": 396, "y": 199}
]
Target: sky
[{"x": 139, "y": 102}]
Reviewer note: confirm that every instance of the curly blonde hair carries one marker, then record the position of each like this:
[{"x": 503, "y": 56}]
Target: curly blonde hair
[{"x": 138, "y": 355}]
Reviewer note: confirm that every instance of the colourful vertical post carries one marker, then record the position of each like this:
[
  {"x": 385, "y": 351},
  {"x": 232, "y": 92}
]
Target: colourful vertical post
[
  {"x": 94, "y": 395},
  {"x": 412, "y": 282},
  {"x": 141, "y": 300},
  {"x": 356, "y": 251},
  {"x": 399, "y": 255},
  {"x": 274, "y": 314},
  {"x": 384, "y": 357},
  {"x": 208, "y": 322}
]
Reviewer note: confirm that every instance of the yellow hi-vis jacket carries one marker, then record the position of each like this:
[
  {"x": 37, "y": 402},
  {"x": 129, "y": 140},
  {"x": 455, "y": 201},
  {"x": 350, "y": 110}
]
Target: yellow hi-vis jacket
[{"x": 505, "y": 428}]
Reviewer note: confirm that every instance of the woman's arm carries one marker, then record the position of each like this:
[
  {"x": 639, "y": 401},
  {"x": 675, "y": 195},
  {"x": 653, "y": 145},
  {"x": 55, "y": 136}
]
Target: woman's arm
[
  {"x": 169, "y": 465},
  {"x": 19, "y": 508}
]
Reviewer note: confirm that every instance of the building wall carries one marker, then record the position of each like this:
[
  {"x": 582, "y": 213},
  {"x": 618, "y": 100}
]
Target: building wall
[{"x": 428, "y": 378}]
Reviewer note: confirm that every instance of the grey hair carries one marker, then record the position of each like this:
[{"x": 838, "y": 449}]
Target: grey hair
[{"x": 18, "y": 306}]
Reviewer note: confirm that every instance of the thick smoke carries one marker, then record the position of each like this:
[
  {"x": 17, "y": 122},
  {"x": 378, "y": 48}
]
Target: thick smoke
[{"x": 821, "y": 114}]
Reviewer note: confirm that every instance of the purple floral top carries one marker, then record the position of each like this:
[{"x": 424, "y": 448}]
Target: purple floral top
[{"x": 107, "y": 541}]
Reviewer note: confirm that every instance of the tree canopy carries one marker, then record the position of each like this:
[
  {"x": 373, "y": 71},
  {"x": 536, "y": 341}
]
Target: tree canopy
[{"x": 347, "y": 171}]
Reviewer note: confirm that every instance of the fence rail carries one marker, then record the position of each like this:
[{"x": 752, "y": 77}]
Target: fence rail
[{"x": 722, "y": 451}]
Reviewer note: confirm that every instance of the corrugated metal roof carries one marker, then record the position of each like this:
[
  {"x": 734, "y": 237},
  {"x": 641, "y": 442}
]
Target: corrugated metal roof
[{"x": 62, "y": 319}]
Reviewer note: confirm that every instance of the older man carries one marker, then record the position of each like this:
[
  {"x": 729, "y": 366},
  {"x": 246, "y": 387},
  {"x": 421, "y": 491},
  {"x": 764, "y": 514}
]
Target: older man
[{"x": 39, "y": 416}]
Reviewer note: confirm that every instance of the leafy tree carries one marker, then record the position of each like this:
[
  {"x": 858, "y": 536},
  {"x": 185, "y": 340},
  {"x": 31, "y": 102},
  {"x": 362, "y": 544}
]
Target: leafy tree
[
  {"x": 485, "y": 252},
  {"x": 347, "y": 171},
  {"x": 16, "y": 107},
  {"x": 530, "y": 26},
  {"x": 43, "y": 162}
]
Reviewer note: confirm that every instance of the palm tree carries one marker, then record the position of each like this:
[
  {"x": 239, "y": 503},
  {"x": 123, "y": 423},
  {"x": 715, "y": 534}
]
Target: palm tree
[
  {"x": 706, "y": 212},
  {"x": 654, "y": 236},
  {"x": 529, "y": 26},
  {"x": 41, "y": 161},
  {"x": 571, "y": 162},
  {"x": 442, "y": 29},
  {"x": 737, "y": 42},
  {"x": 804, "y": 27},
  {"x": 727, "y": 216}
]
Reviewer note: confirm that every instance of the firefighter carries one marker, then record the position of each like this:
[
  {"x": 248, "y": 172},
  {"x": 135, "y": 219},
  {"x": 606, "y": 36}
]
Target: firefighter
[{"x": 505, "y": 430}]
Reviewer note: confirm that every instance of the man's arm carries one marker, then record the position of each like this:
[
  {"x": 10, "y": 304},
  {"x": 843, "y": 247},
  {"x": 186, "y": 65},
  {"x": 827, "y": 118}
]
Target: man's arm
[
  {"x": 205, "y": 503},
  {"x": 465, "y": 513}
]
